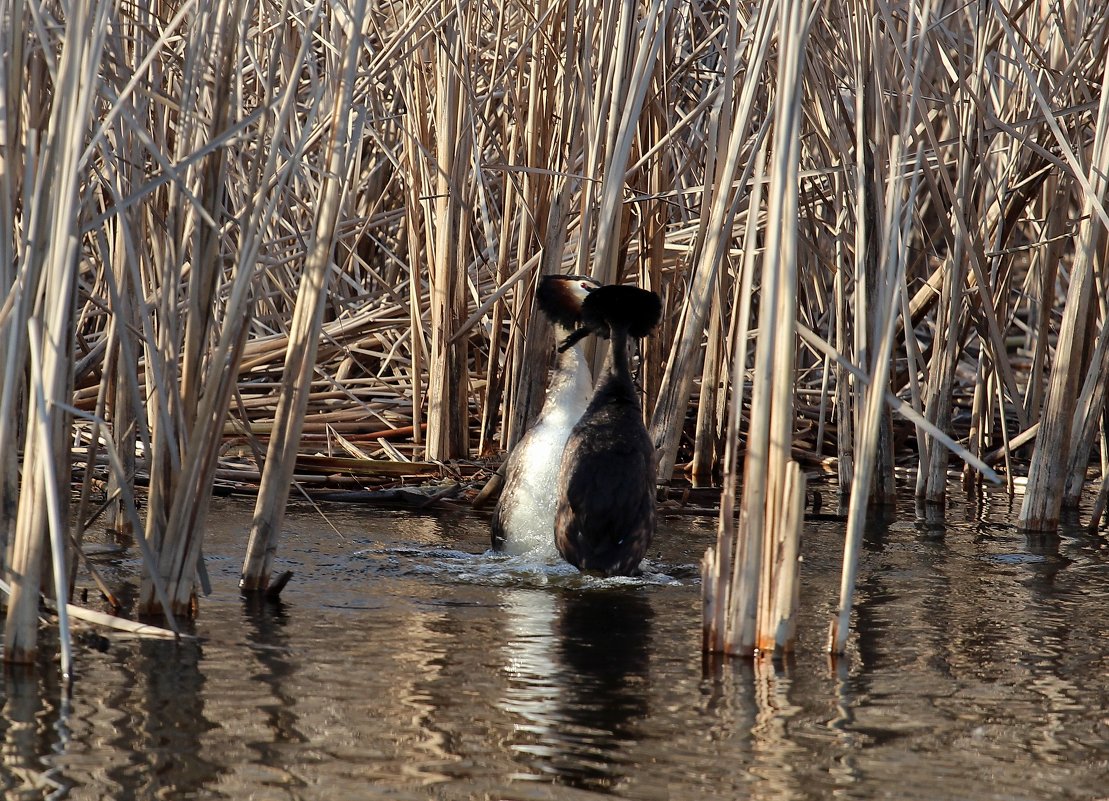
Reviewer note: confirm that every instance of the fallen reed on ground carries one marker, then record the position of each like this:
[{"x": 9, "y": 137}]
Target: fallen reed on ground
[{"x": 234, "y": 228}]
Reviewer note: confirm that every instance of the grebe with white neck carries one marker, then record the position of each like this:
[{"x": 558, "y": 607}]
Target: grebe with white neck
[{"x": 523, "y": 520}]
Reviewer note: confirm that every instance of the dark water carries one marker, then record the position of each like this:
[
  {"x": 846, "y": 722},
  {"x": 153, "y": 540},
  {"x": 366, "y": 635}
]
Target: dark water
[{"x": 406, "y": 663}]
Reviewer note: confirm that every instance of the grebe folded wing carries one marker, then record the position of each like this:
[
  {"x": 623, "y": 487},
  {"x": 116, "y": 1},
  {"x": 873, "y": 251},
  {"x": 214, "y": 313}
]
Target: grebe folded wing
[{"x": 606, "y": 517}]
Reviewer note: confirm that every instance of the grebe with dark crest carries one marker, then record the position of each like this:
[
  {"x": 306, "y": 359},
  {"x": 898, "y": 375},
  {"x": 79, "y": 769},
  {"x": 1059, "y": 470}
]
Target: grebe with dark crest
[
  {"x": 606, "y": 486},
  {"x": 523, "y": 519}
]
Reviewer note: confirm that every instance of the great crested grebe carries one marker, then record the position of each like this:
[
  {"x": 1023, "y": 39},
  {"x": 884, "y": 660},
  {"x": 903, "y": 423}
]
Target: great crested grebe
[
  {"x": 606, "y": 486},
  {"x": 523, "y": 519}
]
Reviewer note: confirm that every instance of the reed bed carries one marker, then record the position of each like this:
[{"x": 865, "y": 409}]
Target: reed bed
[{"x": 272, "y": 243}]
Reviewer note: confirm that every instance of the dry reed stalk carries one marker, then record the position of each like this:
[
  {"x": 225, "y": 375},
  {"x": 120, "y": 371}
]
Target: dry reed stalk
[
  {"x": 761, "y": 537},
  {"x": 537, "y": 213},
  {"x": 447, "y": 416},
  {"x": 1051, "y": 464},
  {"x": 630, "y": 80},
  {"x": 906, "y": 410},
  {"x": 1101, "y": 502},
  {"x": 893, "y": 260},
  {"x": 51, "y": 264},
  {"x": 13, "y": 153},
  {"x": 781, "y": 536},
  {"x": 895, "y": 238},
  {"x": 123, "y": 398},
  {"x": 1043, "y": 272},
  {"x": 46, "y": 427},
  {"x": 604, "y": 30},
  {"x": 128, "y": 426},
  {"x": 705, "y": 439},
  {"x": 1088, "y": 416},
  {"x": 781, "y": 623},
  {"x": 130, "y": 507},
  {"x": 81, "y": 514},
  {"x": 667, "y": 420},
  {"x": 660, "y": 179},
  {"x": 495, "y": 372},
  {"x": 720, "y": 564},
  {"x": 845, "y": 447},
  {"x": 939, "y": 405},
  {"x": 868, "y": 181},
  {"x": 186, "y": 419},
  {"x": 179, "y": 499},
  {"x": 300, "y": 358}
]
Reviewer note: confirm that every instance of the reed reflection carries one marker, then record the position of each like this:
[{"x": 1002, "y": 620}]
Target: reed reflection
[
  {"x": 266, "y": 622},
  {"x": 27, "y": 735},
  {"x": 578, "y": 666},
  {"x": 169, "y": 690}
]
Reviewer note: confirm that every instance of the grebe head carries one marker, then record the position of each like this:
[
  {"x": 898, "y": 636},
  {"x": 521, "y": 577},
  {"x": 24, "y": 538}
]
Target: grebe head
[
  {"x": 560, "y": 297},
  {"x": 628, "y": 309}
]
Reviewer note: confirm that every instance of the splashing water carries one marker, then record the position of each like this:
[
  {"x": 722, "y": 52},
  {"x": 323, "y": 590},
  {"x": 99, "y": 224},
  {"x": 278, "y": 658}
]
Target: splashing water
[{"x": 538, "y": 567}]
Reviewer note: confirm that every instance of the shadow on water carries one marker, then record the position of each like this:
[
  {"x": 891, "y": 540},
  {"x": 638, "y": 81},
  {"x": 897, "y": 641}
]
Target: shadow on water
[{"x": 579, "y": 674}]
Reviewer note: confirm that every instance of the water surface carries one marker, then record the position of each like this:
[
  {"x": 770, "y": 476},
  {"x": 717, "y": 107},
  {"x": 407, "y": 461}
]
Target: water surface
[{"x": 406, "y": 662}]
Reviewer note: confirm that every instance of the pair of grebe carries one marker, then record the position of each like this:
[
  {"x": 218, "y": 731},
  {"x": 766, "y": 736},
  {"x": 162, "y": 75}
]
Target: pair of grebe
[{"x": 586, "y": 469}]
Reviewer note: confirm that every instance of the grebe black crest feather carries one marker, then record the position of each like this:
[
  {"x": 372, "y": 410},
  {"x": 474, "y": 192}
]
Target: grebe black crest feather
[
  {"x": 628, "y": 309},
  {"x": 621, "y": 308}
]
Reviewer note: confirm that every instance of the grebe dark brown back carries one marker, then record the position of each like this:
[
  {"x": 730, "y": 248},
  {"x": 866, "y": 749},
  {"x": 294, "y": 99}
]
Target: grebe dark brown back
[
  {"x": 523, "y": 519},
  {"x": 606, "y": 497}
]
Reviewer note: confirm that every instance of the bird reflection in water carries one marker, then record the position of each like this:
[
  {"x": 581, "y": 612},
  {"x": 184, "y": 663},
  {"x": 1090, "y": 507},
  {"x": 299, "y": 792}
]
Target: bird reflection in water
[{"x": 578, "y": 665}]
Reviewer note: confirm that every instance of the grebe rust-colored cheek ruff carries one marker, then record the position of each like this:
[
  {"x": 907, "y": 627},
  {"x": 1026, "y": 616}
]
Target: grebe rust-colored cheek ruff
[{"x": 561, "y": 297}]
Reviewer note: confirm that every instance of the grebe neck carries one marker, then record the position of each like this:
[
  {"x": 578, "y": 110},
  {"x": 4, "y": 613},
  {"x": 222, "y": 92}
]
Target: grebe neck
[
  {"x": 616, "y": 371},
  {"x": 570, "y": 385}
]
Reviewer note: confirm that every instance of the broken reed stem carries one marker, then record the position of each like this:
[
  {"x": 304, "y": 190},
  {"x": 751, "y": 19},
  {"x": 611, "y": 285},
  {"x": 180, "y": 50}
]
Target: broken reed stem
[
  {"x": 102, "y": 619},
  {"x": 720, "y": 564},
  {"x": 780, "y": 537},
  {"x": 752, "y": 625}
]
